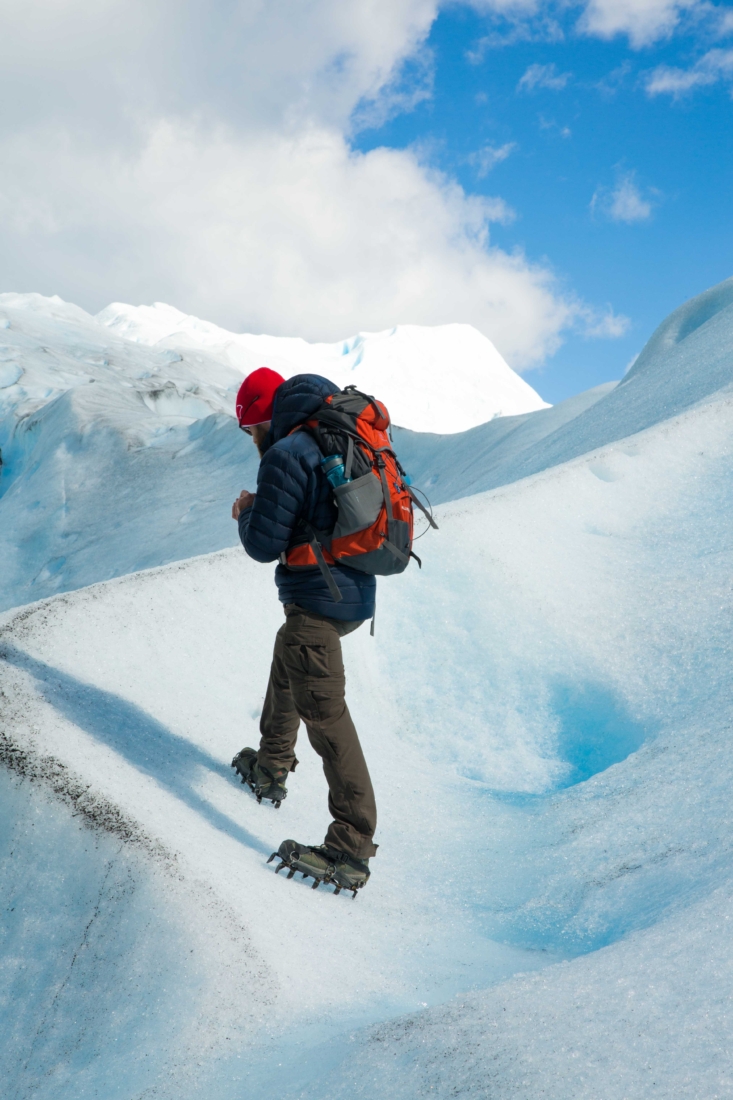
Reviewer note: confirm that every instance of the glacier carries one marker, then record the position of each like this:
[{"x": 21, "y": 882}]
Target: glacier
[
  {"x": 118, "y": 441},
  {"x": 546, "y": 713}
]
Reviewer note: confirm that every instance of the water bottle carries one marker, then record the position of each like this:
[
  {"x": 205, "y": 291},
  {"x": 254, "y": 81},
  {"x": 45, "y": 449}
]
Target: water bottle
[{"x": 333, "y": 468}]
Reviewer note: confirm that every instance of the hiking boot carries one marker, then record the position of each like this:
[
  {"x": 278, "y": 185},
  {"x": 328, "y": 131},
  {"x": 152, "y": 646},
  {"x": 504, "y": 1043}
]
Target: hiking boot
[
  {"x": 324, "y": 864},
  {"x": 261, "y": 781}
]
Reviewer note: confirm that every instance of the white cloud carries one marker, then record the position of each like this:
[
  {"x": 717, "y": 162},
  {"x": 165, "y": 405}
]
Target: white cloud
[
  {"x": 512, "y": 9},
  {"x": 624, "y": 202},
  {"x": 724, "y": 22},
  {"x": 605, "y": 324},
  {"x": 644, "y": 21},
  {"x": 554, "y": 126},
  {"x": 610, "y": 84},
  {"x": 715, "y": 66},
  {"x": 198, "y": 152},
  {"x": 487, "y": 158},
  {"x": 627, "y": 204},
  {"x": 287, "y": 235},
  {"x": 253, "y": 64},
  {"x": 543, "y": 76},
  {"x": 514, "y": 21}
]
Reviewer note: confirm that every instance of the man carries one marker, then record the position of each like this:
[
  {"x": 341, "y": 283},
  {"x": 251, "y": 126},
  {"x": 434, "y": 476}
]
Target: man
[{"x": 307, "y": 673}]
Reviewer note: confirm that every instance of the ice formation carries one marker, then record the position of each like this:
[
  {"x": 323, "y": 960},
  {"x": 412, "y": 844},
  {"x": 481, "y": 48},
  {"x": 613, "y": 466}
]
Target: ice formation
[
  {"x": 546, "y": 712},
  {"x": 119, "y": 446}
]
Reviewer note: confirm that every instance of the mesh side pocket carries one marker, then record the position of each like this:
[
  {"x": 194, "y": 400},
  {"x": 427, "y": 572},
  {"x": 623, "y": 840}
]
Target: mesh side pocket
[{"x": 358, "y": 503}]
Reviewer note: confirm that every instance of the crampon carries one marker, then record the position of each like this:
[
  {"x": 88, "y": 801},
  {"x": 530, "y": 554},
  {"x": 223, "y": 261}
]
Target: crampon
[
  {"x": 261, "y": 781},
  {"x": 323, "y": 864}
]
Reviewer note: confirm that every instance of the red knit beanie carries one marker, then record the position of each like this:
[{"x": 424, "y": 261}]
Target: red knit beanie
[{"x": 256, "y": 396}]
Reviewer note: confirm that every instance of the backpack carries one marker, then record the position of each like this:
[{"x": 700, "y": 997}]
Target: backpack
[{"x": 374, "y": 526}]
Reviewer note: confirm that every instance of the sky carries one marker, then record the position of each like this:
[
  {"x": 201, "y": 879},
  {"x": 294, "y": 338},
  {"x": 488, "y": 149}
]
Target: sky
[{"x": 556, "y": 174}]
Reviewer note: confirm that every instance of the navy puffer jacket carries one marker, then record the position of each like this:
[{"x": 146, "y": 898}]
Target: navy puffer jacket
[{"x": 292, "y": 486}]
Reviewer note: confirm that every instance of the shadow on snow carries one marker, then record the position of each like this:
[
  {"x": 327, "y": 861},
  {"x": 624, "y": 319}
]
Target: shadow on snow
[{"x": 147, "y": 744}]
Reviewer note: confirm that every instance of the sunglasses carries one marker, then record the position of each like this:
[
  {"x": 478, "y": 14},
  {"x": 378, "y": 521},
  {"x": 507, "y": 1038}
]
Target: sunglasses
[{"x": 245, "y": 429}]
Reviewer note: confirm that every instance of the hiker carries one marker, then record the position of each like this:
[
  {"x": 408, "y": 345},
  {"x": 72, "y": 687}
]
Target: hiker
[{"x": 307, "y": 673}]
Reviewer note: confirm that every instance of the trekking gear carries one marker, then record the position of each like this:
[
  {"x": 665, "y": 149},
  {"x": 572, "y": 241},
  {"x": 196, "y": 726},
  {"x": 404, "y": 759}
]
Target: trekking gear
[
  {"x": 256, "y": 397},
  {"x": 291, "y": 486},
  {"x": 324, "y": 865},
  {"x": 261, "y": 781},
  {"x": 374, "y": 527},
  {"x": 333, "y": 468}
]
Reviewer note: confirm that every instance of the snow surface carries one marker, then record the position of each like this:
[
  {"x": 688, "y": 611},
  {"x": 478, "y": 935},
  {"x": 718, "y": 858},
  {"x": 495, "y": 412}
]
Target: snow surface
[
  {"x": 119, "y": 447},
  {"x": 443, "y": 379},
  {"x": 546, "y": 713}
]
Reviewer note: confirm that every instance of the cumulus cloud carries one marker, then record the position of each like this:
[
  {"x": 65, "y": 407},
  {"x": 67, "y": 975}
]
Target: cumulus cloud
[
  {"x": 622, "y": 203},
  {"x": 286, "y": 235},
  {"x": 487, "y": 158},
  {"x": 715, "y": 66},
  {"x": 199, "y": 152},
  {"x": 643, "y": 21},
  {"x": 543, "y": 76}
]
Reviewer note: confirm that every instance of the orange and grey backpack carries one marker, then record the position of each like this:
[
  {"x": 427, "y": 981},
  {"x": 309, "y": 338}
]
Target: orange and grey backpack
[{"x": 374, "y": 525}]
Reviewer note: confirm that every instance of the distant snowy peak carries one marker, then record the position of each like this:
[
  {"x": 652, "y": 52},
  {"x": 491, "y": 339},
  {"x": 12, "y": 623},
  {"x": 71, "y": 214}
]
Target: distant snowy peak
[{"x": 443, "y": 379}]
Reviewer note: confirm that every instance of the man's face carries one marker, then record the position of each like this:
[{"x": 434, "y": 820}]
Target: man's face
[{"x": 258, "y": 433}]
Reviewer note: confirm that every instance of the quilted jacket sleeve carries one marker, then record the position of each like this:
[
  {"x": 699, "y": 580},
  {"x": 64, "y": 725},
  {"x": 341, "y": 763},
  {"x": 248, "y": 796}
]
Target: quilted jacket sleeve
[{"x": 282, "y": 486}]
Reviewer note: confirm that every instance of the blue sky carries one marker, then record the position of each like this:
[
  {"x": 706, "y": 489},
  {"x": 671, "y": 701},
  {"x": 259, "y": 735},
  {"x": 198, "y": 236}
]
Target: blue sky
[
  {"x": 557, "y": 174},
  {"x": 579, "y": 134}
]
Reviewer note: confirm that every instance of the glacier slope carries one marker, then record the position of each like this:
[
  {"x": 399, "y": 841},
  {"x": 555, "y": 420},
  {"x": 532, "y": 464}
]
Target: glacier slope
[
  {"x": 118, "y": 443},
  {"x": 688, "y": 358},
  {"x": 104, "y": 984},
  {"x": 546, "y": 713},
  {"x": 139, "y": 468}
]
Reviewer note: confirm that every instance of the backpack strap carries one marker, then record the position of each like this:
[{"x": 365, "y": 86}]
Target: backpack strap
[
  {"x": 352, "y": 391},
  {"x": 422, "y": 508},
  {"x": 349, "y": 458},
  {"x": 328, "y": 576},
  {"x": 389, "y": 542}
]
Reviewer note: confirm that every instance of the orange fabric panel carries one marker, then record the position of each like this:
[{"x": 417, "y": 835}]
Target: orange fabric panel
[
  {"x": 302, "y": 557},
  {"x": 363, "y": 541}
]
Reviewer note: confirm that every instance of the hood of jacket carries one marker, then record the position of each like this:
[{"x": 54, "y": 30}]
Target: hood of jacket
[{"x": 296, "y": 400}]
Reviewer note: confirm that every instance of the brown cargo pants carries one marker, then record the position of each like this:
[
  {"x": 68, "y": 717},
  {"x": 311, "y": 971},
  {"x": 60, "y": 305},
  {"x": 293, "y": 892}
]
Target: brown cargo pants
[{"x": 307, "y": 681}]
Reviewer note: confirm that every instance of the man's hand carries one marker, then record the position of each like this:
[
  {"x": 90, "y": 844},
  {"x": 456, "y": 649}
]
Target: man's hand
[{"x": 244, "y": 500}]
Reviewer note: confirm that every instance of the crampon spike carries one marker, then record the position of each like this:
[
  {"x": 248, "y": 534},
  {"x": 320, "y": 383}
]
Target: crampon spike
[
  {"x": 277, "y": 805},
  {"x": 273, "y": 856},
  {"x": 337, "y": 890},
  {"x": 279, "y": 869},
  {"x": 291, "y": 872},
  {"x": 316, "y": 884},
  {"x": 353, "y": 895}
]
